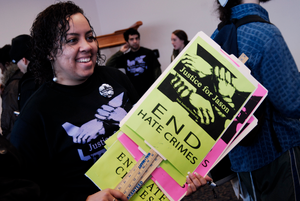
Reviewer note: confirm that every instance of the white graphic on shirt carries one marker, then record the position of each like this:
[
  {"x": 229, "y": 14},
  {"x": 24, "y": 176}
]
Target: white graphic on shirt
[
  {"x": 93, "y": 129},
  {"x": 106, "y": 90},
  {"x": 137, "y": 66}
]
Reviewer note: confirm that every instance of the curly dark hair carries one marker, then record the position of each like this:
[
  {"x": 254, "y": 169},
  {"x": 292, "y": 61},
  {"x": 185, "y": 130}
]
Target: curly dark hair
[
  {"x": 225, "y": 12},
  {"x": 48, "y": 33},
  {"x": 130, "y": 31}
]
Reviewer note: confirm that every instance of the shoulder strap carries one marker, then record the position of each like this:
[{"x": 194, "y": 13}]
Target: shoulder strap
[
  {"x": 227, "y": 39},
  {"x": 238, "y": 23},
  {"x": 227, "y": 36},
  {"x": 242, "y": 21},
  {"x": 248, "y": 19}
]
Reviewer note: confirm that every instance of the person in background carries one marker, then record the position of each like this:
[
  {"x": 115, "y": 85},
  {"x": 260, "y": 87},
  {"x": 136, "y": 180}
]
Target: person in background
[
  {"x": 179, "y": 40},
  {"x": 267, "y": 170},
  {"x": 20, "y": 51},
  {"x": 1, "y": 90},
  {"x": 20, "y": 54},
  {"x": 10, "y": 81},
  {"x": 140, "y": 63},
  {"x": 62, "y": 127},
  {"x": 4, "y": 57},
  {"x": 14, "y": 184}
]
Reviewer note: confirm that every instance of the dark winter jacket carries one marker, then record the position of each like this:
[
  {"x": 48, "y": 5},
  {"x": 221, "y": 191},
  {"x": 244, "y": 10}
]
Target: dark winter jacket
[{"x": 9, "y": 96}]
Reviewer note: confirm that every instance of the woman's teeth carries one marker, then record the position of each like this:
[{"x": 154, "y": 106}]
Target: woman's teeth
[{"x": 84, "y": 60}]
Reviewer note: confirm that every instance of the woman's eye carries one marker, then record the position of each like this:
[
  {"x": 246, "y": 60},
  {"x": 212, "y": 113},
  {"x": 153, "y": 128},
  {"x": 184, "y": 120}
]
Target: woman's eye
[
  {"x": 91, "y": 38},
  {"x": 71, "y": 40}
]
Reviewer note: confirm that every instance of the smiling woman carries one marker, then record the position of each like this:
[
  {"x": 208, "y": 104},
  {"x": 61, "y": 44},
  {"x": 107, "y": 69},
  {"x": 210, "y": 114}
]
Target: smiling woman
[
  {"x": 75, "y": 63},
  {"x": 62, "y": 128},
  {"x": 69, "y": 113},
  {"x": 57, "y": 39}
]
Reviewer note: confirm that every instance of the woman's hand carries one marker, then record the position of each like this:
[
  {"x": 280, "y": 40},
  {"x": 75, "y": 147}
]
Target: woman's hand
[
  {"x": 107, "y": 195},
  {"x": 195, "y": 181}
]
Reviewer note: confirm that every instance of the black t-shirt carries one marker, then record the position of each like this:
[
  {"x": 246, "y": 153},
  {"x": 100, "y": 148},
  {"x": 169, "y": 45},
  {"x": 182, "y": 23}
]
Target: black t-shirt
[
  {"x": 61, "y": 131},
  {"x": 141, "y": 67}
]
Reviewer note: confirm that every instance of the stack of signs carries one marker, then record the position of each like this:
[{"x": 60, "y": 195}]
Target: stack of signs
[{"x": 192, "y": 116}]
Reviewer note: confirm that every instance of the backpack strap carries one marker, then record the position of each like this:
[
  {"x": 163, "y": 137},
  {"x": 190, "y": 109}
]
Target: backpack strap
[
  {"x": 248, "y": 19},
  {"x": 227, "y": 36},
  {"x": 227, "y": 39},
  {"x": 238, "y": 23},
  {"x": 242, "y": 21}
]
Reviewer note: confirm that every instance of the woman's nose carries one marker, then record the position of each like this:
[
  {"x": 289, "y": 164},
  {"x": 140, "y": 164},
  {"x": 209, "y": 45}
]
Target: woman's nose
[{"x": 85, "y": 45}]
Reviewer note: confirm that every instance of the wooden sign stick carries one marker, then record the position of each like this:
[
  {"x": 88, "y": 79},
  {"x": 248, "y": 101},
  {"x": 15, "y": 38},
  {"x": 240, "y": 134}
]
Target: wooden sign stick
[{"x": 139, "y": 174}]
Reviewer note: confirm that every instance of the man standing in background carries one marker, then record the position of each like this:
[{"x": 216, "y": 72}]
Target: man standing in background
[
  {"x": 20, "y": 54},
  {"x": 141, "y": 64}
]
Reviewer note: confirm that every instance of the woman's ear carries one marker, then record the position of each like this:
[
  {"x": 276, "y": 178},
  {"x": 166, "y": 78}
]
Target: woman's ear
[
  {"x": 25, "y": 61},
  {"x": 50, "y": 58}
]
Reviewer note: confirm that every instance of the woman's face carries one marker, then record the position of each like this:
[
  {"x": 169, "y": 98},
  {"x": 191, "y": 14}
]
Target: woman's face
[
  {"x": 177, "y": 43},
  {"x": 75, "y": 63}
]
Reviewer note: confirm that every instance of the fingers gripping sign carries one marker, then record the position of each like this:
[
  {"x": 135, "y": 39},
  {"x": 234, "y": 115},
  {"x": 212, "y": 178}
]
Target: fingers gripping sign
[{"x": 195, "y": 181}]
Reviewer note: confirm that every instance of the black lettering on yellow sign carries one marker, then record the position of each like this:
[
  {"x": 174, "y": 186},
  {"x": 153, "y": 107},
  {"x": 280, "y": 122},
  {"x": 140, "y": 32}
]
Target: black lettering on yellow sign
[
  {"x": 175, "y": 125},
  {"x": 190, "y": 141},
  {"x": 121, "y": 170},
  {"x": 151, "y": 121},
  {"x": 180, "y": 147},
  {"x": 158, "y": 109},
  {"x": 151, "y": 192}
]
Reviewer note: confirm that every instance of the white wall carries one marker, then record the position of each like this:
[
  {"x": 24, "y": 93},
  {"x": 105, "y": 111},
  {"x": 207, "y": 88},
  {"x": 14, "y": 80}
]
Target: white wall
[
  {"x": 159, "y": 17},
  {"x": 17, "y": 16}
]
